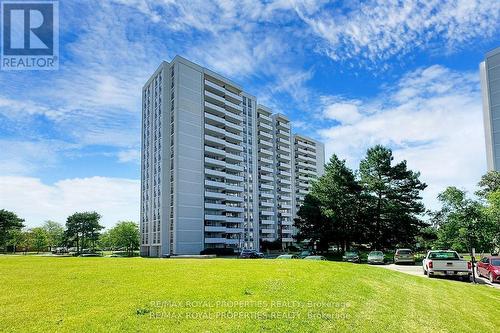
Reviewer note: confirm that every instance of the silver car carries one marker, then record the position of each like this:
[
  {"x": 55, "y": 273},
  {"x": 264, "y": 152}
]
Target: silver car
[
  {"x": 376, "y": 257},
  {"x": 405, "y": 256}
]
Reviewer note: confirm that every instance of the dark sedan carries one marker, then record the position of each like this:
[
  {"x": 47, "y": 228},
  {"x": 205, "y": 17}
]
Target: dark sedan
[
  {"x": 351, "y": 256},
  {"x": 250, "y": 254}
]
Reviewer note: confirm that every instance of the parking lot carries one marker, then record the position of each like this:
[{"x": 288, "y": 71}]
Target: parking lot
[{"x": 417, "y": 270}]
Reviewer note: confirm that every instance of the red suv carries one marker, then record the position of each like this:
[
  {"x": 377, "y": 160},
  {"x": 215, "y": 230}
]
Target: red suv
[{"x": 489, "y": 267}]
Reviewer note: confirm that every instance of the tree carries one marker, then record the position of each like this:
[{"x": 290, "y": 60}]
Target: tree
[
  {"x": 8, "y": 222},
  {"x": 125, "y": 235},
  {"x": 83, "y": 229},
  {"x": 462, "y": 223},
  {"x": 330, "y": 211},
  {"x": 105, "y": 241},
  {"x": 54, "y": 232},
  {"x": 489, "y": 183},
  {"x": 492, "y": 211},
  {"x": 15, "y": 237},
  {"x": 393, "y": 201},
  {"x": 40, "y": 239}
]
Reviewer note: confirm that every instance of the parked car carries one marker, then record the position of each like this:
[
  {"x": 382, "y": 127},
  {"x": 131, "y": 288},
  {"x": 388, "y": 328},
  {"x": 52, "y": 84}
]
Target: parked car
[
  {"x": 305, "y": 253},
  {"x": 376, "y": 257},
  {"x": 446, "y": 263},
  {"x": 404, "y": 256},
  {"x": 489, "y": 267},
  {"x": 315, "y": 258},
  {"x": 250, "y": 254},
  {"x": 288, "y": 256},
  {"x": 351, "y": 256}
]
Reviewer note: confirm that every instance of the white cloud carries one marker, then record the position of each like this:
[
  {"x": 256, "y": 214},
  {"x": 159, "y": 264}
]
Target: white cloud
[
  {"x": 130, "y": 155},
  {"x": 27, "y": 157},
  {"x": 379, "y": 29},
  {"x": 345, "y": 112},
  {"x": 432, "y": 118},
  {"x": 115, "y": 199}
]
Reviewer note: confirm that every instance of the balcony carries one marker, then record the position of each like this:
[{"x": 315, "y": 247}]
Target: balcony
[
  {"x": 267, "y": 195},
  {"x": 267, "y": 222},
  {"x": 236, "y": 98},
  {"x": 234, "y": 188},
  {"x": 285, "y": 206},
  {"x": 213, "y": 98},
  {"x": 216, "y": 151},
  {"x": 283, "y": 134},
  {"x": 265, "y": 126},
  {"x": 214, "y": 87},
  {"x": 231, "y": 219},
  {"x": 266, "y": 143},
  {"x": 266, "y": 187},
  {"x": 267, "y": 178},
  {"x": 215, "y": 195},
  {"x": 213, "y": 161},
  {"x": 216, "y": 173},
  {"x": 233, "y": 198},
  {"x": 266, "y": 213},
  {"x": 284, "y": 181},
  {"x": 265, "y": 135},
  {"x": 234, "y": 230},
  {"x": 283, "y": 157},
  {"x": 265, "y": 169},
  {"x": 286, "y": 239},
  {"x": 234, "y": 167},
  {"x": 213, "y": 217},
  {"x": 267, "y": 231},
  {"x": 233, "y": 157},
  {"x": 209, "y": 228},
  {"x": 218, "y": 240},
  {"x": 282, "y": 125},
  {"x": 215, "y": 206},
  {"x": 264, "y": 117},
  {"x": 233, "y": 177},
  {"x": 266, "y": 204},
  {"x": 282, "y": 141},
  {"x": 232, "y": 107},
  {"x": 233, "y": 117},
  {"x": 215, "y": 184},
  {"x": 266, "y": 152},
  {"x": 234, "y": 209},
  {"x": 219, "y": 132},
  {"x": 265, "y": 160},
  {"x": 214, "y": 109},
  {"x": 216, "y": 141},
  {"x": 233, "y": 241}
]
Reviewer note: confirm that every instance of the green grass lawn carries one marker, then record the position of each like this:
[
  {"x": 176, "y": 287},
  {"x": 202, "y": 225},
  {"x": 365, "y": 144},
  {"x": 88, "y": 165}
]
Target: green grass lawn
[{"x": 43, "y": 294}]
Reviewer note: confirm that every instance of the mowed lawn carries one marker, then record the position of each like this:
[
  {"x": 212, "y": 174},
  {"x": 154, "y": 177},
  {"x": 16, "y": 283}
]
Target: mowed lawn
[{"x": 46, "y": 294}]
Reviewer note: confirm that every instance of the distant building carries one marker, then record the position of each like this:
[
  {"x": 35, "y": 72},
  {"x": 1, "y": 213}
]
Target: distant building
[
  {"x": 490, "y": 86},
  {"x": 218, "y": 170}
]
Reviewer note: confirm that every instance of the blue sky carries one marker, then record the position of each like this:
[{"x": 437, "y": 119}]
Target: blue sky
[{"x": 404, "y": 74}]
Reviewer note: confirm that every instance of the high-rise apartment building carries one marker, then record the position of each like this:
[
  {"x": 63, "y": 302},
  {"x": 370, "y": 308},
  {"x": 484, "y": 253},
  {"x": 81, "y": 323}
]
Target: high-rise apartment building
[
  {"x": 490, "y": 86},
  {"x": 309, "y": 157},
  {"x": 217, "y": 168}
]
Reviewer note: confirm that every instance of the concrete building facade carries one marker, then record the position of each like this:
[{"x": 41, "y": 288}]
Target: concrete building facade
[
  {"x": 490, "y": 86},
  {"x": 217, "y": 168}
]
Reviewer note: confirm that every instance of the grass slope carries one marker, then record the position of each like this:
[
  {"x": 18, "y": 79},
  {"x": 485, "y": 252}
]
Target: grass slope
[{"x": 40, "y": 294}]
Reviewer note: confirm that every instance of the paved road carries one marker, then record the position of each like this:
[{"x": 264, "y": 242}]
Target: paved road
[{"x": 417, "y": 270}]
